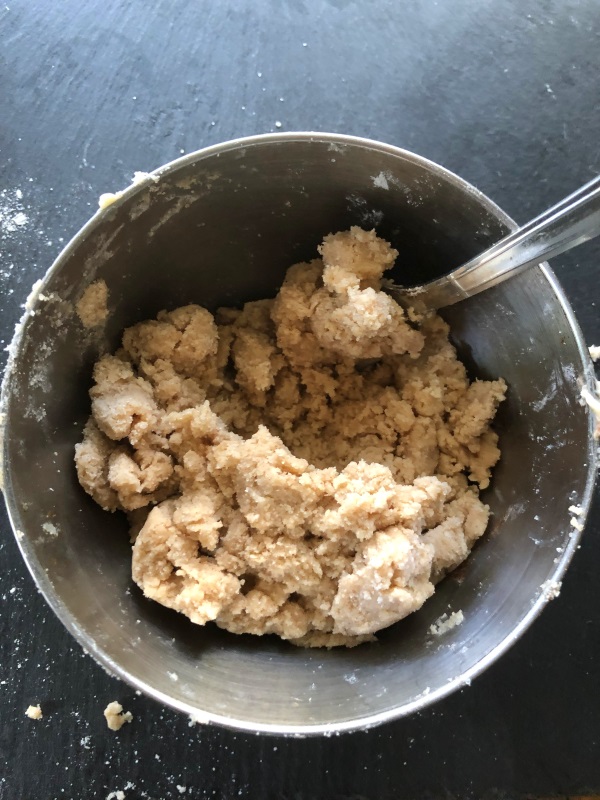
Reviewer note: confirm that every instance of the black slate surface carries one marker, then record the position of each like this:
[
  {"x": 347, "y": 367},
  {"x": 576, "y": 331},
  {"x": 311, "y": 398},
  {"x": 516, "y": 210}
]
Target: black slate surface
[{"x": 506, "y": 94}]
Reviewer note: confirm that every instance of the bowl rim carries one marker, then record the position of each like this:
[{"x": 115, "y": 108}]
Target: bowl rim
[{"x": 139, "y": 184}]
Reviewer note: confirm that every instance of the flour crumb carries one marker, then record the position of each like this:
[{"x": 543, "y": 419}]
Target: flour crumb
[
  {"x": 50, "y": 528},
  {"x": 92, "y": 307},
  {"x": 173, "y": 676},
  {"x": 181, "y": 789},
  {"x": 594, "y": 352},
  {"x": 20, "y": 535},
  {"x": 85, "y": 742},
  {"x": 197, "y": 719},
  {"x": 12, "y": 215},
  {"x": 380, "y": 181},
  {"x": 115, "y": 716},
  {"x": 34, "y": 712},
  {"x": 20, "y": 219},
  {"x": 445, "y": 623},
  {"x": 142, "y": 177},
  {"x": 592, "y": 400},
  {"x": 577, "y": 510},
  {"x": 118, "y": 795},
  {"x": 551, "y": 589},
  {"x": 33, "y": 297},
  {"x": 575, "y": 523}
]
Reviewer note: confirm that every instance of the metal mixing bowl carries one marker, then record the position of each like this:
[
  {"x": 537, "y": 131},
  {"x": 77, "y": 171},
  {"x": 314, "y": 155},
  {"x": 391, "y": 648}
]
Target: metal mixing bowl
[{"x": 220, "y": 227}]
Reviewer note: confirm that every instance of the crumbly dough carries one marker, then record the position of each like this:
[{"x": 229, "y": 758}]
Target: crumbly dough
[
  {"x": 92, "y": 307},
  {"x": 592, "y": 399},
  {"x": 115, "y": 716},
  {"x": 34, "y": 712},
  {"x": 307, "y": 466},
  {"x": 446, "y": 622}
]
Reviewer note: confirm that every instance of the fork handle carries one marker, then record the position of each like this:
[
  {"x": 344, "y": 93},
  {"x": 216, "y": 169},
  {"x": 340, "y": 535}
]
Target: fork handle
[{"x": 574, "y": 220}]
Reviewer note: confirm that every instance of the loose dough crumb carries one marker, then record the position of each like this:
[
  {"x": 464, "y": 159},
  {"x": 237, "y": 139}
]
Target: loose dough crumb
[
  {"x": 551, "y": 589},
  {"x": 108, "y": 198},
  {"x": 115, "y": 716},
  {"x": 592, "y": 400},
  {"x": 34, "y": 712},
  {"x": 594, "y": 352},
  {"x": 197, "y": 719},
  {"x": 445, "y": 623},
  {"x": 307, "y": 466},
  {"x": 143, "y": 177},
  {"x": 91, "y": 307},
  {"x": 50, "y": 528}
]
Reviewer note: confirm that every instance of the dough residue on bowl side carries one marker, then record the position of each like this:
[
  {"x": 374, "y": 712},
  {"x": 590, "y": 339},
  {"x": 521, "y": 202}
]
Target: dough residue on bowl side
[
  {"x": 307, "y": 466},
  {"x": 92, "y": 307}
]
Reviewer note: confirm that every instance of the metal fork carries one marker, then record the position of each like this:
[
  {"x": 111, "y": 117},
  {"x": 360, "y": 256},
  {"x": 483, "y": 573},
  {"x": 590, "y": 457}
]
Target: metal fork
[{"x": 574, "y": 220}]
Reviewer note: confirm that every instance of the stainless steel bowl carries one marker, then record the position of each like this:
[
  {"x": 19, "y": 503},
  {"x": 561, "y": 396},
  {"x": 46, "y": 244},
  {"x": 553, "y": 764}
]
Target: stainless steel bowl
[{"x": 220, "y": 227}]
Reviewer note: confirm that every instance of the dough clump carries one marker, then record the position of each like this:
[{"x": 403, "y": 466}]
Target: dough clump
[
  {"x": 92, "y": 307},
  {"x": 307, "y": 466},
  {"x": 34, "y": 712},
  {"x": 115, "y": 716}
]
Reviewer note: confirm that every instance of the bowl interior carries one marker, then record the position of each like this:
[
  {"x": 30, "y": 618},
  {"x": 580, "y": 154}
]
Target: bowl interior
[{"x": 220, "y": 228}]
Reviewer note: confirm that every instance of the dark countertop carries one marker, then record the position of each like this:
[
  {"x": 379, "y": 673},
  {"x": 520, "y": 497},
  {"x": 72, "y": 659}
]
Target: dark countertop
[{"x": 506, "y": 94}]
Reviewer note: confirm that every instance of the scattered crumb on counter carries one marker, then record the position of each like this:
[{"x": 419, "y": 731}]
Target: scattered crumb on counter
[
  {"x": 115, "y": 716},
  {"x": 34, "y": 712},
  {"x": 118, "y": 795},
  {"x": 173, "y": 676},
  {"x": 577, "y": 510},
  {"x": 594, "y": 352},
  {"x": 307, "y": 466},
  {"x": 575, "y": 523},
  {"x": 12, "y": 213},
  {"x": 92, "y": 307},
  {"x": 181, "y": 789},
  {"x": 445, "y": 623}
]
